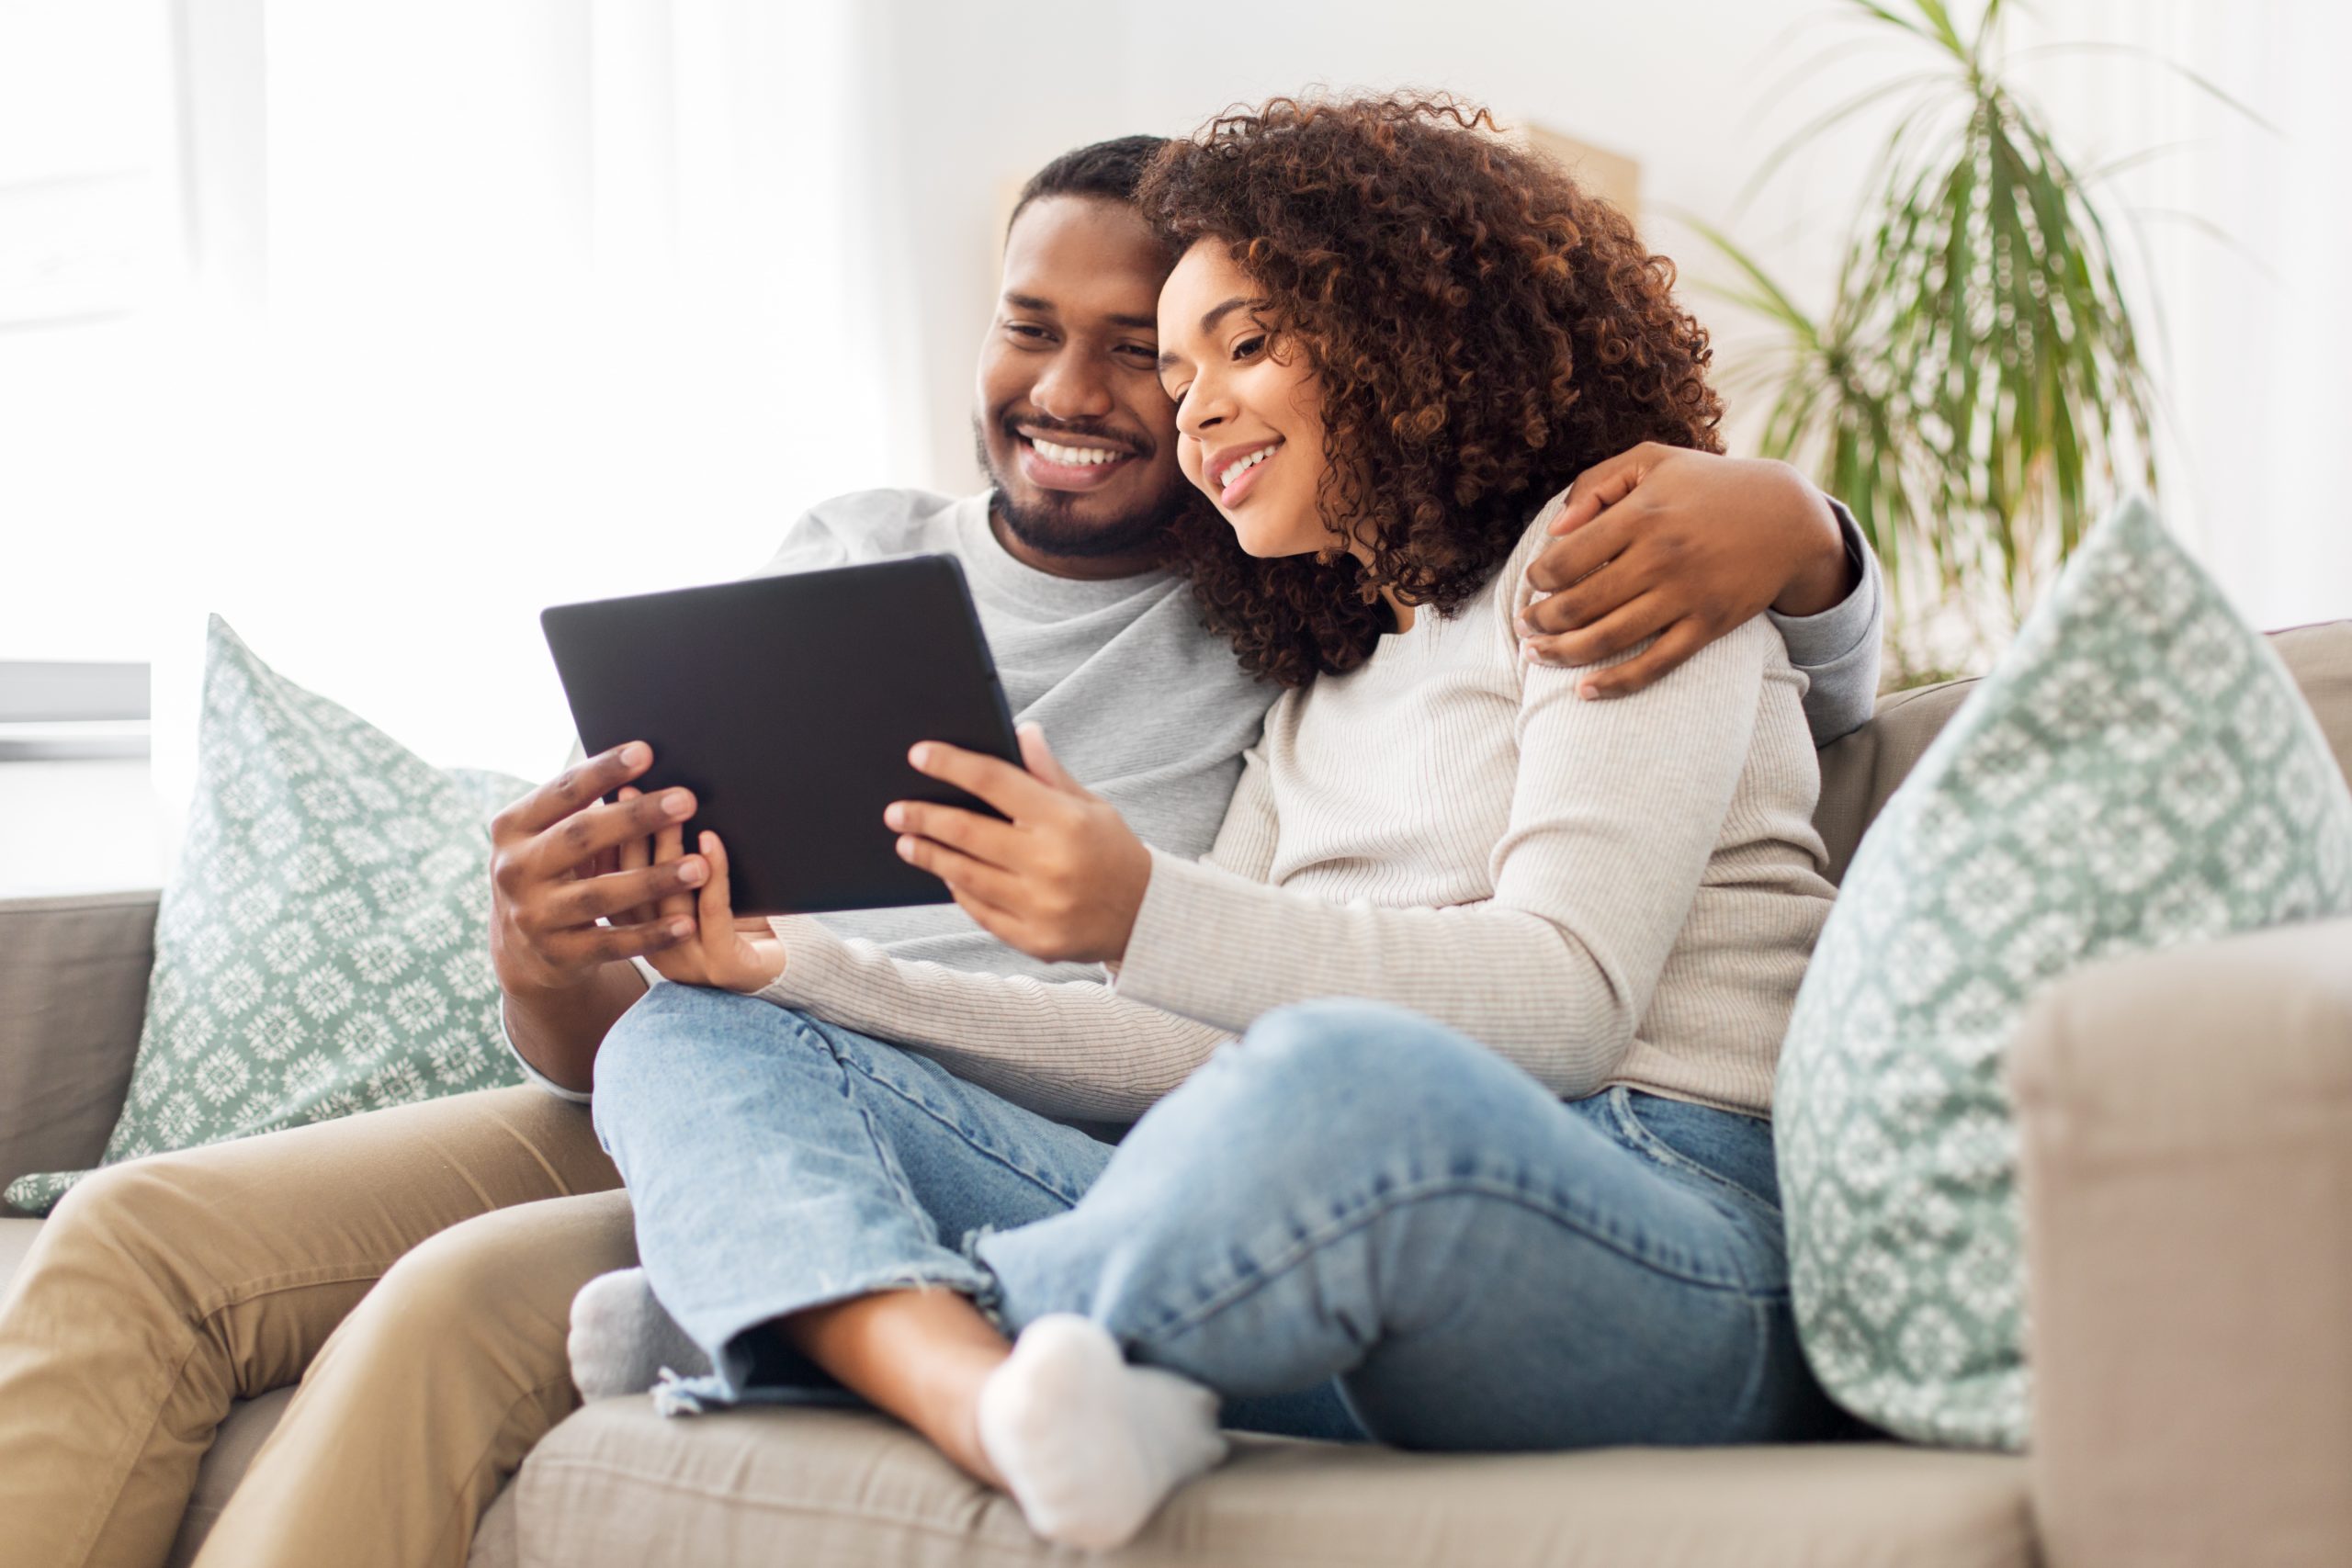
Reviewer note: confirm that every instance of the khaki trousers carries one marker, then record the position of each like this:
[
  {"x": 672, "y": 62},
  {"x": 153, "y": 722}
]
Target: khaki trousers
[{"x": 411, "y": 1269}]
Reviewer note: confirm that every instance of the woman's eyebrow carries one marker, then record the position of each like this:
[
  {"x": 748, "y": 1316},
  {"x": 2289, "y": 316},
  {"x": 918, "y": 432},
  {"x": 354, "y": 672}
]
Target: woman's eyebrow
[
  {"x": 1169, "y": 359},
  {"x": 1209, "y": 321}
]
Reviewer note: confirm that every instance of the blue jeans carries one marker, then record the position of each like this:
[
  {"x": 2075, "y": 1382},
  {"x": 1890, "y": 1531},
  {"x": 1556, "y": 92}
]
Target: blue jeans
[{"x": 1354, "y": 1223}]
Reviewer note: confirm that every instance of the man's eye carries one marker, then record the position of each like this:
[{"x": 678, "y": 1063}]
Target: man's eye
[
  {"x": 1149, "y": 355},
  {"x": 1023, "y": 329}
]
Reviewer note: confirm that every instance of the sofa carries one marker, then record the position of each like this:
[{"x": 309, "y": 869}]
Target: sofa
[{"x": 2186, "y": 1125}]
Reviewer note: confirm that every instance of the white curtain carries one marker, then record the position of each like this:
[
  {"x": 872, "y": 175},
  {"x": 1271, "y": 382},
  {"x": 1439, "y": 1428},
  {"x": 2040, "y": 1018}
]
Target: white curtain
[
  {"x": 2244, "y": 232},
  {"x": 495, "y": 307}
]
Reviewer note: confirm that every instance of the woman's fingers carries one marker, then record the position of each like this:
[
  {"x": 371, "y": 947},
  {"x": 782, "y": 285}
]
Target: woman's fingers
[
  {"x": 1042, "y": 762},
  {"x": 1003, "y": 786},
  {"x": 669, "y": 845},
  {"x": 983, "y": 838},
  {"x": 715, "y": 908},
  {"x": 959, "y": 871}
]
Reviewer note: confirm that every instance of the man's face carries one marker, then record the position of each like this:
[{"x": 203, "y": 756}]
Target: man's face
[{"x": 1073, "y": 428}]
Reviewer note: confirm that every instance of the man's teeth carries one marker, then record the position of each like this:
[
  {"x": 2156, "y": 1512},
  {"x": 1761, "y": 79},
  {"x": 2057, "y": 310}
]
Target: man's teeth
[
  {"x": 1084, "y": 456},
  {"x": 1235, "y": 470}
]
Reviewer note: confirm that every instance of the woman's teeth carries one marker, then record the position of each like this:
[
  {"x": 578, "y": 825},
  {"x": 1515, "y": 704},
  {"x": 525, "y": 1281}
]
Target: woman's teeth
[
  {"x": 1235, "y": 470},
  {"x": 1083, "y": 457}
]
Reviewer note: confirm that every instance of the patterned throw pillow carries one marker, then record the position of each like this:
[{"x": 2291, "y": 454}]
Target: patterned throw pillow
[
  {"x": 325, "y": 947},
  {"x": 2141, "y": 772}
]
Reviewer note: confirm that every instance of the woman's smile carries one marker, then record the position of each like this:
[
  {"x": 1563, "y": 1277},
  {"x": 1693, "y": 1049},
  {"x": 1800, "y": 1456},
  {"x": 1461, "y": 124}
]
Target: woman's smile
[{"x": 1234, "y": 469}]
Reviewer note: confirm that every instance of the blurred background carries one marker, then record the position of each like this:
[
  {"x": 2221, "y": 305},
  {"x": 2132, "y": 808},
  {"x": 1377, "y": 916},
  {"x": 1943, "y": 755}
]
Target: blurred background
[{"x": 377, "y": 328}]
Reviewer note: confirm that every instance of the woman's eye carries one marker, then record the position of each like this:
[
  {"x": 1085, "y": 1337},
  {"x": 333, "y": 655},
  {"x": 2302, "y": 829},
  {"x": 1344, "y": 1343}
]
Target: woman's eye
[{"x": 1248, "y": 346}]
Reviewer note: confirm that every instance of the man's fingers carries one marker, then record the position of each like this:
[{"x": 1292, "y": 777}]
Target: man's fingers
[
  {"x": 574, "y": 790},
  {"x": 1614, "y": 634},
  {"x": 1603, "y": 485},
  {"x": 604, "y": 944},
  {"x": 959, "y": 871},
  {"x": 1674, "y": 645},
  {"x": 625, "y": 897},
  {"x": 1566, "y": 561},
  {"x": 633, "y": 854},
  {"x": 1003, "y": 786},
  {"x": 982, "y": 838},
  {"x": 1599, "y": 596},
  {"x": 575, "y": 840}
]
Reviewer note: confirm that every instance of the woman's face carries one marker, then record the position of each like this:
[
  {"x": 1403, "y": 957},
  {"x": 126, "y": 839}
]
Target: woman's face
[{"x": 1250, "y": 427}]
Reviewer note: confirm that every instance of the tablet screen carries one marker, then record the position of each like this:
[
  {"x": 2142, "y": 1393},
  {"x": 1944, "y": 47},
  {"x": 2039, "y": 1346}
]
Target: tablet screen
[{"x": 787, "y": 705}]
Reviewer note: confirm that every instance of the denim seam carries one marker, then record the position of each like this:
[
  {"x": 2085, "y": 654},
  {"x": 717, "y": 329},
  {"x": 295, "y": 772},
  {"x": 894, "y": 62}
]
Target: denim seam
[
  {"x": 1649, "y": 1143},
  {"x": 1448, "y": 1187},
  {"x": 986, "y": 1152}
]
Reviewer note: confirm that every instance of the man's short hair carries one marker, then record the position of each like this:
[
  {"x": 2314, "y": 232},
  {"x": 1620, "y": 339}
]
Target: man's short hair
[{"x": 1108, "y": 170}]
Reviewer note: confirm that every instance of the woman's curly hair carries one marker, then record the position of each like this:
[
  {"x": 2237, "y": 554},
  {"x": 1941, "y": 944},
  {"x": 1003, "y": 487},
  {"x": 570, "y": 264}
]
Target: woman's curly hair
[{"x": 1484, "y": 331}]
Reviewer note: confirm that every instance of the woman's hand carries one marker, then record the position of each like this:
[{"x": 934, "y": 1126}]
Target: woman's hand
[
  {"x": 1062, "y": 880},
  {"x": 730, "y": 952}
]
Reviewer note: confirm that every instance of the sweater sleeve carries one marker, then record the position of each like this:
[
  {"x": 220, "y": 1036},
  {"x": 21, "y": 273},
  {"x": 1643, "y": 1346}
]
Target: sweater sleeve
[
  {"x": 1064, "y": 1048},
  {"x": 1614, "y": 814},
  {"x": 1838, "y": 650}
]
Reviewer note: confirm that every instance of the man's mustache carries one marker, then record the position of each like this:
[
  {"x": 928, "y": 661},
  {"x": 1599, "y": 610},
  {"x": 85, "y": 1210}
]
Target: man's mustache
[{"x": 1017, "y": 426}]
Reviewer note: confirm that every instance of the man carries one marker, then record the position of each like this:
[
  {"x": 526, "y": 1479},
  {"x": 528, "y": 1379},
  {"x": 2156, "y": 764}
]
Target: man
[{"x": 414, "y": 1270}]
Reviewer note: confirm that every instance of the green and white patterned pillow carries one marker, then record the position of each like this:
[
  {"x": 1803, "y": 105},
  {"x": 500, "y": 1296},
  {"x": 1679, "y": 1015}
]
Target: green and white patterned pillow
[
  {"x": 2141, "y": 772},
  {"x": 325, "y": 946}
]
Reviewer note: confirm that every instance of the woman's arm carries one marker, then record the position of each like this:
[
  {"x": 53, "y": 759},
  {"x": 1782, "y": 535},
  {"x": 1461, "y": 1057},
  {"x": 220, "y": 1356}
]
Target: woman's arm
[
  {"x": 1616, "y": 810},
  {"x": 1067, "y": 1048},
  {"x": 1615, "y": 813}
]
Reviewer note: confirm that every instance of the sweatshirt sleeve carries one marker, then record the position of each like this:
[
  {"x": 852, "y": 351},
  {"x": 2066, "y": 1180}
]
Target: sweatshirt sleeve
[
  {"x": 1063, "y": 1048},
  {"x": 1614, "y": 816},
  {"x": 1838, "y": 650}
]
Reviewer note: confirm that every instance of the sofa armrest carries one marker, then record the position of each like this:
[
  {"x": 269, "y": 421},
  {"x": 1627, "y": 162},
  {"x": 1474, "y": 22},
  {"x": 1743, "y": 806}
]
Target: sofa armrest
[
  {"x": 73, "y": 996},
  {"x": 2186, "y": 1120}
]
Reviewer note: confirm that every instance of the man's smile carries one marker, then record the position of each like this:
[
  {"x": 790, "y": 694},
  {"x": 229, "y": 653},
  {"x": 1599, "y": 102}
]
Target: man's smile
[{"x": 1070, "y": 462}]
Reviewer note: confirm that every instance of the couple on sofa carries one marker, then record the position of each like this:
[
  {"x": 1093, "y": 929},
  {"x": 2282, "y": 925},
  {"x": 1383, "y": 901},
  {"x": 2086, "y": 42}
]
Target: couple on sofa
[{"x": 1314, "y": 378}]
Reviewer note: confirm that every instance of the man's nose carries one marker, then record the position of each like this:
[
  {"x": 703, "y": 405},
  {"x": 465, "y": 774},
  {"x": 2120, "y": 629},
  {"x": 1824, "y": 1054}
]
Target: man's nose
[{"x": 1072, "y": 387}]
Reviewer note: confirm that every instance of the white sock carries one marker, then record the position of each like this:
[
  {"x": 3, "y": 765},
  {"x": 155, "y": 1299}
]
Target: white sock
[
  {"x": 1090, "y": 1446},
  {"x": 622, "y": 1340}
]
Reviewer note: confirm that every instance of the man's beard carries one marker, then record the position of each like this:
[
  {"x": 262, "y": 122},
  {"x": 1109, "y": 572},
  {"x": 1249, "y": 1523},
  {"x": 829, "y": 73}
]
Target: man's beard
[{"x": 1050, "y": 528}]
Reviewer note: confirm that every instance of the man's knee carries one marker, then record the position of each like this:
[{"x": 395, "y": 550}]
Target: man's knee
[
  {"x": 500, "y": 1283},
  {"x": 139, "y": 1225}
]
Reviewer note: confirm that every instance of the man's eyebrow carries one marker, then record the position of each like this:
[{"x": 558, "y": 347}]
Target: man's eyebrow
[{"x": 1032, "y": 302}]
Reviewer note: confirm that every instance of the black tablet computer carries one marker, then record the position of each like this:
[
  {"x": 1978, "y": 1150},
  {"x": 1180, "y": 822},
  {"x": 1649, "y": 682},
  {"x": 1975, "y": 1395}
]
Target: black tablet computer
[{"x": 787, "y": 705}]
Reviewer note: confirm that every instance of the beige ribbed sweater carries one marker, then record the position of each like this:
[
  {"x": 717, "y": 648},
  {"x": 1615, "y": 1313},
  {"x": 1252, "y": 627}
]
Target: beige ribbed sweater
[{"x": 1602, "y": 892}]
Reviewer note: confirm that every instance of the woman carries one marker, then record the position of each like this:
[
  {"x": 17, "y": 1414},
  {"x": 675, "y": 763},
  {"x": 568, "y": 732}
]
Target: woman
[{"x": 1390, "y": 337}]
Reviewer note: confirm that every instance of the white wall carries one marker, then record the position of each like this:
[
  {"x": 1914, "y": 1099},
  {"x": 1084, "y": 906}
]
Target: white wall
[
  {"x": 1697, "y": 91},
  {"x": 556, "y": 299},
  {"x": 1686, "y": 88}
]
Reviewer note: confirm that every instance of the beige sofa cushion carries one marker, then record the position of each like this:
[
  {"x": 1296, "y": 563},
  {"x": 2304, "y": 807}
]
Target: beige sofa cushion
[
  {"x": 72, "y": 987},
  {"x": 617, "y": 1484},
  {"x": 1859, "y": 772}
]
